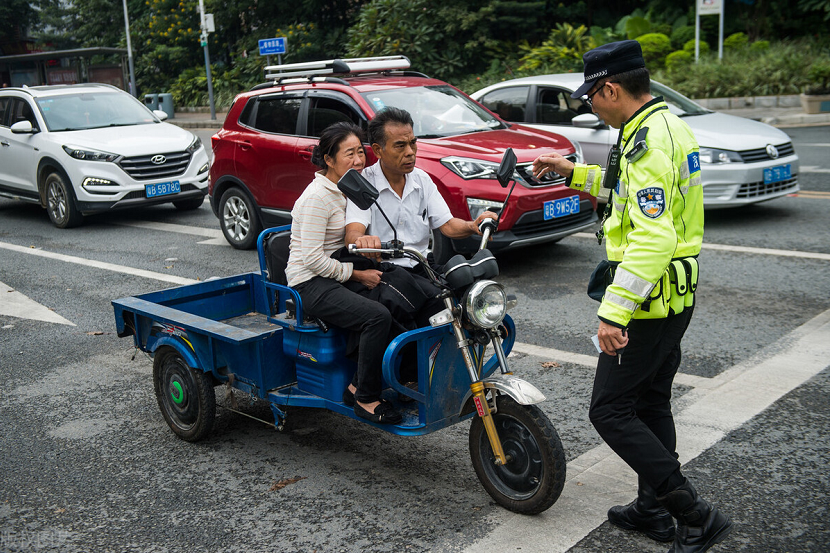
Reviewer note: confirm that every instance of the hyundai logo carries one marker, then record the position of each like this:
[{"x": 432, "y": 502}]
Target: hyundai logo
[
  {"x": 159, "y": 159},
  {"x": 772, "y": 151}
]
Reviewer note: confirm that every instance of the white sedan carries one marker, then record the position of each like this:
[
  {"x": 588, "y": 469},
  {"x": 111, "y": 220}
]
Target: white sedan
[{"x": 744, "y": 161}]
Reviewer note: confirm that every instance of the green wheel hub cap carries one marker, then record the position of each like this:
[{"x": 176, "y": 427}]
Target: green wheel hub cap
[{"x": 177, "y": 393}]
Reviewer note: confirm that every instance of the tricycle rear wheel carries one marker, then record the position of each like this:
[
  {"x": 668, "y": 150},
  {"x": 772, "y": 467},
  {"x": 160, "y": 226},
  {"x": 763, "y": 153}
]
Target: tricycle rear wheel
[
  {"x": 534, "y": 476},
  {"x": 185, "y": 396}
]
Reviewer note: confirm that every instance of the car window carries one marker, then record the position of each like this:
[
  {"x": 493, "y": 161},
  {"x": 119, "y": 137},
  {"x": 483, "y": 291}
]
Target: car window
[
  {"x": 22, "y": 111},
  {"x": 4, "y": 110},
  {"x": 93, "y": 110},
  {"x": 678, "y": 104},
  {"x": 437, "y": 111},
  {"x": 555, "y": 106},
  {"x": 277, "y": 114},
  {"x": 323, "y": 112},
  {"x": 510, "y": 103}
]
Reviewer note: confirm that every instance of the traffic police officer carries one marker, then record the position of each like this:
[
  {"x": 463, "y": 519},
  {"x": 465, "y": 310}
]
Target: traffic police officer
[{"x": 653, "y": 227}]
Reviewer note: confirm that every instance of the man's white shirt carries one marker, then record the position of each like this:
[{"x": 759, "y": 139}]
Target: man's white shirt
[{"x": 415, "y": 214}]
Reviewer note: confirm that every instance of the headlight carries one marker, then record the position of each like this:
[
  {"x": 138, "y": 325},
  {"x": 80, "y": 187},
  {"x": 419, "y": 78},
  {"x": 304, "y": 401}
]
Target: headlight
[
  {"x": 471, "y": 168},
  {"x": 89, "y": 155},
  {"x": 578, "y": 152},
  {"x": 486, "y": 304},
  {"x": 477, "y": 207},
  {"x": 713, "y": 155},
  {"x": 195, "y": 145}
]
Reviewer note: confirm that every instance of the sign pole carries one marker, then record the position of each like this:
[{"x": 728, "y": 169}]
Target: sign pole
[
  {"x": 204, "y": 39},
  {"x": 133, "y": 89}
]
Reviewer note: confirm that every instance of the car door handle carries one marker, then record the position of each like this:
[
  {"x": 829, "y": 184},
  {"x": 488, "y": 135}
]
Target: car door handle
[
  {"x": 5, "y": 144},
  {"x": 306, "y": 153},
  {"x": 245, "y": 145}
]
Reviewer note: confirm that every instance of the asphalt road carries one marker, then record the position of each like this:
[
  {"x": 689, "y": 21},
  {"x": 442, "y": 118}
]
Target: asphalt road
[{"x": 88, "y": 464}]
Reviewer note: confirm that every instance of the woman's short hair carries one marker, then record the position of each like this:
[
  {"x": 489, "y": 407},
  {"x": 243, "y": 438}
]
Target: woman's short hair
[{"x": 330, "y": 140}]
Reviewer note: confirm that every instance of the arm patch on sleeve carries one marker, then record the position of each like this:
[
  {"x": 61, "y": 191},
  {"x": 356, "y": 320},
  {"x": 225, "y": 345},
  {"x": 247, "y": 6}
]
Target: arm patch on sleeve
[{"x": 652, "y": 201}]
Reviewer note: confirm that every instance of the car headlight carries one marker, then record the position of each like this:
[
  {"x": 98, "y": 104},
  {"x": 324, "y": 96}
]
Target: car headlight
[
  {"x": 486, "y": 304},
  {"x": 89, "y": 155},
  {"x": 578, "y": 152},
  {"x": 713, "y": 155},
  {"x": 195, "y": 145},
  {"x": 477, "y": 207},
  {"x": 467, "y": 168}
]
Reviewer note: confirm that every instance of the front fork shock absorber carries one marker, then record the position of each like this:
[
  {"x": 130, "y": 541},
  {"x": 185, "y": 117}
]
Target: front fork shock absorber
[{"x": 483, "y": 410}]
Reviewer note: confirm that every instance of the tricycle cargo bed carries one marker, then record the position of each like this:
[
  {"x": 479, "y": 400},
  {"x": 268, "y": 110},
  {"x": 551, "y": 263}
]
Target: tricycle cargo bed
[{"x": 219, "y": 326}]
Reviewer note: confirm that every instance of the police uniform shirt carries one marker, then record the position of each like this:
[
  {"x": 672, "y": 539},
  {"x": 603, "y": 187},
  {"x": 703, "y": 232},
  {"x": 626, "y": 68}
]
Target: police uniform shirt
[{"x": 420, "y": 209}]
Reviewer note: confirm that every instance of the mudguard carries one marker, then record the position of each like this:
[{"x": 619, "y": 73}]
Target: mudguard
[{"x": 520, "y": 390}]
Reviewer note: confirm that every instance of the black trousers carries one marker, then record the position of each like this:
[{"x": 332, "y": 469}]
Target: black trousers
[
  {"x": 630, "y": 404},
  {"x": 333, "y": 303}
]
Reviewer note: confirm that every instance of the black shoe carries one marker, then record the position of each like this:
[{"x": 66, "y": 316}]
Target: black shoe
[
  {"x": 699, "y": 525},
  {"x": 348, "y": 398},
  {"x": 384, "y": 413},
  {"x": 644, "y": 514}
]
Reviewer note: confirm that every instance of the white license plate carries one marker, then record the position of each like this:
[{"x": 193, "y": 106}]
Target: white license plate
[
  {"x": 162, "y": 189},
  {"x": 778, "y": 173},
  {"x": 562, "y": 207}
]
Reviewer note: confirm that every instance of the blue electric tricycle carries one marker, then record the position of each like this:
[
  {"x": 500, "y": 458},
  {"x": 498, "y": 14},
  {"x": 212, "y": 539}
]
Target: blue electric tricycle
[{"x": 248, "y": 332}]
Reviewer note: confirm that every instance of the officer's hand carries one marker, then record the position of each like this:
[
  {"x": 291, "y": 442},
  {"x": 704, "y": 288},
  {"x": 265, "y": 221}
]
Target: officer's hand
[
  {"x": 372, "y": 242},
  {"x": 552, "y": 162},
  {"x": 611, "y": 338},
  {"x": 480, "y": 218}
]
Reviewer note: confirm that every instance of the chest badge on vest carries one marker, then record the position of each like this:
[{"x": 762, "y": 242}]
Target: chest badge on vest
[{"x": 652, "y": 201}]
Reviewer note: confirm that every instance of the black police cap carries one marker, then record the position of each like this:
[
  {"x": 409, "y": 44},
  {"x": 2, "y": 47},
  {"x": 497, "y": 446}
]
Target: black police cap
[{"x": 609, "y": 59}]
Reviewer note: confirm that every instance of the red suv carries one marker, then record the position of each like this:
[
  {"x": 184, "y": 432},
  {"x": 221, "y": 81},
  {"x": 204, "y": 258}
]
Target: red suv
[{"x": 262, "y": 154}]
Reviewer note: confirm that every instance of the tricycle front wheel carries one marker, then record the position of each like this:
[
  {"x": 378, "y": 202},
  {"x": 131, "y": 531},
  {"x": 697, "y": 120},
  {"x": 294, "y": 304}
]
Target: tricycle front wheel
[
  {"x": 185, "y": 396},
  {"x": 534, "y": 476}
]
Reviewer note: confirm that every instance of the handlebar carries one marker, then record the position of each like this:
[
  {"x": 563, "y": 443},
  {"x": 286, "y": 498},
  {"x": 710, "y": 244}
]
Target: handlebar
[{"x": 487, "y": 227}]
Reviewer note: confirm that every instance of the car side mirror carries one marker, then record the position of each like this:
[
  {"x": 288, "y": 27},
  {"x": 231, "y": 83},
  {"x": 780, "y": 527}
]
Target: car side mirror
[
  {"x": 586, "y": 121},
  {"x": 22, "y": 127},
  {"x": 357, "y": 189},
  {"x": 160, "y": 114},
  {"x": 506, "y": 168}
]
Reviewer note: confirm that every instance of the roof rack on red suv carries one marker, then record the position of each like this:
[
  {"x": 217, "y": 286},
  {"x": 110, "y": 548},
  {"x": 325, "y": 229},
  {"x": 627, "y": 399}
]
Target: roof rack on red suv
[{"x": 262, "y": 154}]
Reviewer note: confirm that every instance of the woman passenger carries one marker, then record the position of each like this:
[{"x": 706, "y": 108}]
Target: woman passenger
[{"x": 317, "y": 230}]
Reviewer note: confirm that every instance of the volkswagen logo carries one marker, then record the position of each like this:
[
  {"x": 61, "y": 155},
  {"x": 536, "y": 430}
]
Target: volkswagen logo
[
  {"x": 772, "y": 151},
  {"x": 159, "y": 159}
]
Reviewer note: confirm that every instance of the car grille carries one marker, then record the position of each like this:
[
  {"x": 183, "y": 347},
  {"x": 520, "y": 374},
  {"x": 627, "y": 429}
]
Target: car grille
[
  {"x": 141, "y": 194},
  {"x": 760, "y": 154},
  {"x": 525, "y": 170},
  {"x": 141, "y": 168},
  {"x": 759, "y": 189},
  {"x": 533, "y": 222}
]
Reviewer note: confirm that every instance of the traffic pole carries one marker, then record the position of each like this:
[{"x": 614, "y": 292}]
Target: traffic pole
[
  {"x": 204, "y": 39},
  {"x": 133, "y": 89}
]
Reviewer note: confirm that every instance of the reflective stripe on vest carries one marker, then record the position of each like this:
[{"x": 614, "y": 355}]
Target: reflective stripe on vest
[{"x": 632, "y": 283}]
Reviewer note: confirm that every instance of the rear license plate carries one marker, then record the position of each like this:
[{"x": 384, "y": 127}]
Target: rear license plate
[
  {"x": 778, "y": 173},
  {"x": 560, "y": 208},
  {"x": 162, "y": 189}
]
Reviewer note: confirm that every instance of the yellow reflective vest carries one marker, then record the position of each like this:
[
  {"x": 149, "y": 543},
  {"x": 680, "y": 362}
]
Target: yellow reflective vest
[{"x": 656, "y": 217}]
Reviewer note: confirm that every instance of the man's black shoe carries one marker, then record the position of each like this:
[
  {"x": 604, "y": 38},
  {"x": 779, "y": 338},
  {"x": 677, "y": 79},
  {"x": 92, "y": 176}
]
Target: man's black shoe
[
  {"x": 644, "y": 514},
  {"x": 699, "y": 525}
]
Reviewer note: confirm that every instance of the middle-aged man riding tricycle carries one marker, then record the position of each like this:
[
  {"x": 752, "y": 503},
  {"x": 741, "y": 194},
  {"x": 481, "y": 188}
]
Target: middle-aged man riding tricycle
[{"x": 249, "y": 333}]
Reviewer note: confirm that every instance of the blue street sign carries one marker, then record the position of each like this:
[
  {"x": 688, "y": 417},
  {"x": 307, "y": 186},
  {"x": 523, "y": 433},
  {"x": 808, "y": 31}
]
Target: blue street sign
[{"x": 268, "y": 46}]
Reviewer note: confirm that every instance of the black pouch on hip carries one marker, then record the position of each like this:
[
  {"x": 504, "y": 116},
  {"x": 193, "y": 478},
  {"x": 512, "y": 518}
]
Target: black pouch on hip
[{"x": 602, "y": 276}]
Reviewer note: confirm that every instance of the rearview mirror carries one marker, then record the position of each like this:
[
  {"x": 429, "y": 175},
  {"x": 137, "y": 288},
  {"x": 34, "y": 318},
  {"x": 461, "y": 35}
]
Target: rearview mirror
[
  {"x": 506, "y": 168},
  {"x": 162, "y": 115},
  {"x": 586, "y": 121},
  {"x": 22, "y": 127},
  {"x": 357, "y": 189}
]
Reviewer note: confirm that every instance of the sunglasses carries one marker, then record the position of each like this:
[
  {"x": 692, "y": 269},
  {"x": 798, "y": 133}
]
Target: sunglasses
[{"x": 589, "y": 98}]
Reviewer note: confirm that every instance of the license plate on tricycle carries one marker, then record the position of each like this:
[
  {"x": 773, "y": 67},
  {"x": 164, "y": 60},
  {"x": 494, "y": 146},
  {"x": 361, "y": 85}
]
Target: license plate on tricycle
[
  {"x": 562, "y": 207},
  {"x": 777, "y": 173},
  {"x": 162, "y": 189}
]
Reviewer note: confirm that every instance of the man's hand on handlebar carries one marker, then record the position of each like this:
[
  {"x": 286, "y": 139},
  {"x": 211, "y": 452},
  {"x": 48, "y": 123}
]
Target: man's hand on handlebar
[
  {"x": 552, "y": 162},
  {"x": 482, "y": 217},
  {"x": 372, "y": 242}
]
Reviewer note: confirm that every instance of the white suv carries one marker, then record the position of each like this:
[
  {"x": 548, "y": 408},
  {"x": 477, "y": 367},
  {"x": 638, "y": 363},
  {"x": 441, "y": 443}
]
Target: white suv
[{"x": 81, "y": 149}]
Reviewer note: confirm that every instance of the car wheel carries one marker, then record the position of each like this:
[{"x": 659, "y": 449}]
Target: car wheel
[
  {"x": 190, "y": 204},
  {"x": 238, "y": 219},
  {"x": 60, "y": 202}
]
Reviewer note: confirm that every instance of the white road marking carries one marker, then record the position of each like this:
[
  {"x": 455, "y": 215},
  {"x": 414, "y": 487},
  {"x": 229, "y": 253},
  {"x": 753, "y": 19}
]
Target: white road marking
[
  {"x": 598, "y": 479},
  {"x": 215, "y": 236},
  {"x": 746, "y": 249},
  {"x": 812, "y": 169},
  {"x": 15, "y": 304},
  {"x": 98, "y": 264}
]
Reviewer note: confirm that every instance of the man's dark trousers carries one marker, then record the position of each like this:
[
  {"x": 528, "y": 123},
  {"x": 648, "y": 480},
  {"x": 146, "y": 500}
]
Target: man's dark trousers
[{"x": 630, "y": 404}]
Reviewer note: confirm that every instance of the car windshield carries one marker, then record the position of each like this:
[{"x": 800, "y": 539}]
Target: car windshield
[
  {"x": 92, "y": 110},
  {"x": 678, "y": 104},
  {"x": 437, "y": 111}
]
